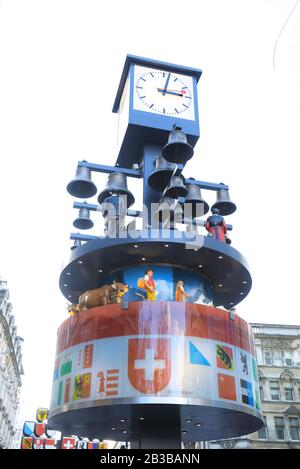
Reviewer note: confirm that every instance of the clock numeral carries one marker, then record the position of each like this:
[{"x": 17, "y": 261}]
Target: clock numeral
[
  {"x": 175, "y": 79},
  {"x": 185, "y": 105},
  {"x": 140, "y": 87},
  {"x": 176, "y": 110},
  {"x": 143, "y": 79},
  {"x": 152, "y": 74},
  {"x": 164, "y": 111},
  {"x": 142, "y": 97},
  {"x": 151, "y": 106}
]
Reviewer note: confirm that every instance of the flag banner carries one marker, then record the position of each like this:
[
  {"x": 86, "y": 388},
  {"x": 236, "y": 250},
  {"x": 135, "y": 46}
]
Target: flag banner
[
  {"x": 67, "y": 390},
  {"x": 226, "y": 386},
  {"x": 41, "y": 414},
  {"x": 68, "y": 443},
  {"x": 66, "y": 368},
  {"x": 26, "y": 442},
  {"x": 50, "y": 433},
  {"x": 224, "y": 357},
  {"x": 127, "y": 367},
  {"x": 38, "y": 443},
  {"x": 82, "y": 444},
  {"x": 81, "y": 386},
  {"x": 93, "y": 445},
  {"x": 247, "y": 393},
  {"x": 108, "y": 383},
  {"x": 149, "y": 364},
  {"x": 39, "y": 429},
  {"x": 50, "y": 443},
  {"x": 56, "y": 369},
  {"x": 28, "y": 428}
]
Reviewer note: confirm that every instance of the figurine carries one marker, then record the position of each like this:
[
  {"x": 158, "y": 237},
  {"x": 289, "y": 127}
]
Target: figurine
[
  {"x": 149, "y": 285},
  {"x": 216, "y": 226},
  {"x": 102, "y": 296},
  {"x": 180, "y": 294}
]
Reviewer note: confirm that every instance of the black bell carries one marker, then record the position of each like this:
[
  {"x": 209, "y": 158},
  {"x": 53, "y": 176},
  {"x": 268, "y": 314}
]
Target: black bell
[
  {"x": 177, "y": 150},
  {"x": 83, "y": 222},
  {"x": 116, "y": 185},
  {"x": 76, "y": 244},
  {"x": 195, "y": 199},
  {"x": 223, "y": 203},
  {"x": 176, "y": 188},
  {"x": 82, "y": 185},
  {"x": 161, "y": 176}
]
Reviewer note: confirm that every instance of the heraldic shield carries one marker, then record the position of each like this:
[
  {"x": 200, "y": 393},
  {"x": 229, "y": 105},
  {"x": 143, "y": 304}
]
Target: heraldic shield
[{"x": 149, "y": 364}]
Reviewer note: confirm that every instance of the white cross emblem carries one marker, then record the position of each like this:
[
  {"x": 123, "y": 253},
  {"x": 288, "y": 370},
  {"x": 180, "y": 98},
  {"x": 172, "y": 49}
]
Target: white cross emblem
[{"x": 150, "y": 364}]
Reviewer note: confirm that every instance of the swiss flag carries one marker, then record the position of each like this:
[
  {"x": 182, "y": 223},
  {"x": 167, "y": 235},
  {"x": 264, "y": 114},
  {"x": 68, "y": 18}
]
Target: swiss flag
[
  {"x": 68, "y": 443},
  {"x": 149, "y": 364}
]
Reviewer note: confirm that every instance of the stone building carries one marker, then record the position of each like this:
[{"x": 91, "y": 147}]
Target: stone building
[
  {"x": 278, "y": 359},
  {"x": 11, "y": 370}
]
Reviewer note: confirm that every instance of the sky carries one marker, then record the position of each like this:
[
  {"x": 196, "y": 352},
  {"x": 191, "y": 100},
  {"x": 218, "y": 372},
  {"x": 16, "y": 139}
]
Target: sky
[{"x": 60, "y": 64}]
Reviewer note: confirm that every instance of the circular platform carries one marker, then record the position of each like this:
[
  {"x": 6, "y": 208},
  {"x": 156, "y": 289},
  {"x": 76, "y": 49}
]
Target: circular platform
[
  {"x": 155, "y": 364},
  {"x": 224, "y": 267}
]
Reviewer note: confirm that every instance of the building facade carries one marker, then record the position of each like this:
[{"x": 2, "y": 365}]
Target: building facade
[
  {"x": 278, "y": 359},
  {"x": 11, "y": 370}
]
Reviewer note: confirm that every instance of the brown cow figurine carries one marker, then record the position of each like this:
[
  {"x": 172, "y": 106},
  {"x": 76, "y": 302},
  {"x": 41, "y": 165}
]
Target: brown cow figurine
[{"x": 102, "y": 296}]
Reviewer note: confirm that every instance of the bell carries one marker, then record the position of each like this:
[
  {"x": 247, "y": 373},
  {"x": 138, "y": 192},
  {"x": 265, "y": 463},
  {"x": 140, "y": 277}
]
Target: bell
[
  {"x": 161, "y": 176},
  {"x": 83, "y": 222},
  {"x": 177, "y": 150},
  {"x": 223, "y": 203},
  {"x": 116, "y": 185},
  {"x": 76, "y": 244},
  {"x": 195, "y": 199},
  {"x": 82, "y": 185},
  {"x": 176, "y": 188}
]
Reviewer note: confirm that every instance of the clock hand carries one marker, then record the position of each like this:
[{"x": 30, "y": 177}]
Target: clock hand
[
  {"x": 166, "y": 84},
  {"x": 165, "y": 91}
]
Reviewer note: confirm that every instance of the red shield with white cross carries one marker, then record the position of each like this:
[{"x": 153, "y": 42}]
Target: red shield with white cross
[{"x": 149, "y": 364}]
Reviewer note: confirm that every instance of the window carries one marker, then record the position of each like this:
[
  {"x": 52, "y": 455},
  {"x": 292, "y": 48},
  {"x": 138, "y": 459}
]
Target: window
[
  {"x": 288, "y": 359},
  {"x": 268, "y": 357},
  {"x": 274, "y": 390},
  {"x": 261, "y": 392},
  {"x": 289, "y": 394},
  {"x": 294, "y": 428},
  {"x": 262, "y": 433},
  {"x": 279, "y": 428},
  {"x": 278, "y": 358}
]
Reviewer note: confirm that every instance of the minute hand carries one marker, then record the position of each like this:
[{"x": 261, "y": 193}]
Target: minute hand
[{"x": 164, "y": 91}]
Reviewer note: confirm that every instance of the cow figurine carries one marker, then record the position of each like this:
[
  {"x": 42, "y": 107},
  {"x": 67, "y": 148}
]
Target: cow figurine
[{"x": 107, "y": 294}]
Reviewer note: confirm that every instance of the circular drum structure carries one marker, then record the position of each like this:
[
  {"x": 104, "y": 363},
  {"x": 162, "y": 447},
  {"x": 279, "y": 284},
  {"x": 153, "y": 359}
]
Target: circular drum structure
[{"x": 171, "y": 368}]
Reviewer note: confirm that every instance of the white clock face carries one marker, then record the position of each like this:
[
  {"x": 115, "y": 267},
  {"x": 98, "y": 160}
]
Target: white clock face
[{"x": 163, "y": 92}]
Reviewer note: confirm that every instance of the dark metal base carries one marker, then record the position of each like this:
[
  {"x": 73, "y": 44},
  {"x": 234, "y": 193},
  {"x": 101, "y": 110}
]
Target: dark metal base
[
  {"x": 146, "y": 422},
  {"x": 223, "y": 265}
]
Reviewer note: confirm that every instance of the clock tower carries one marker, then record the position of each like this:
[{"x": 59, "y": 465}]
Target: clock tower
[{"x": 154, "y": 352}]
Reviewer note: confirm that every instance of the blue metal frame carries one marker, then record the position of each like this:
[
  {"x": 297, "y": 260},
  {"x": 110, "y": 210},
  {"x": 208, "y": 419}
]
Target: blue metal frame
[
  {"x": 195, "y": 72},
  {"x": 146, "y": 127}
]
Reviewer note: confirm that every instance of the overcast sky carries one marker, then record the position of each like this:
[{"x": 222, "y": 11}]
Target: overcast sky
[{"x": 60, "y": 64}]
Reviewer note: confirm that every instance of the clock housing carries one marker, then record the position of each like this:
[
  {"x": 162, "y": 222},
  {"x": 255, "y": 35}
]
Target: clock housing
[{"x": 148, "y": 109}]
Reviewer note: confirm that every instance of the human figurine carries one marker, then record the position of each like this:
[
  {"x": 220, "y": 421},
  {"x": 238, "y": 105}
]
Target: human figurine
[
  {"x": 180, "y": 294},
  {"x": 216, "y": 226},
  {"x": 150, "y": 286}
]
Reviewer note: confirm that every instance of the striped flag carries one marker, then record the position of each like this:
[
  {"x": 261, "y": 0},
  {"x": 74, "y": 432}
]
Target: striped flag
[
  {"x": 50, "y": 443},
  {"x": 247, "y": 393},
  {"x": 112, "y": 382}
]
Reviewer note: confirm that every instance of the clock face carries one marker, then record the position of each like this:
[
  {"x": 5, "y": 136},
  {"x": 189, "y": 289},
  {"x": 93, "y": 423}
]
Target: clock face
[{"x": 163, "y": 92}]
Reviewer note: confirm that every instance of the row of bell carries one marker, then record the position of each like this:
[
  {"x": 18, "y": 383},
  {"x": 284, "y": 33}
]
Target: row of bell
[{"x": 83, "y": 187}]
